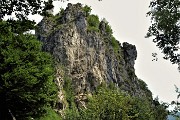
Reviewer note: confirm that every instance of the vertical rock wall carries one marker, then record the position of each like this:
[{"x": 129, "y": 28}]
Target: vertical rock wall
[{"x": 85, "y": 56}]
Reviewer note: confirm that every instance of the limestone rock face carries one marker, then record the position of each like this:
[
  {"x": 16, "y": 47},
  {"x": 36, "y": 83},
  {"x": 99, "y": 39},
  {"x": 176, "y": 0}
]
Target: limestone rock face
[
  {"x": 87, "y": 57},
  {"x": 130, "y": 53}
]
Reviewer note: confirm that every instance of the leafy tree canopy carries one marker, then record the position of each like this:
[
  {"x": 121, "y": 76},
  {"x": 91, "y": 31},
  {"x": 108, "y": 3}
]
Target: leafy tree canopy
[
  {"x": 165, "y": 27},
  {"x": 22, "y": 8},
  {"x": 109, "y": 103},
  {"x": 26, "y": 79}
]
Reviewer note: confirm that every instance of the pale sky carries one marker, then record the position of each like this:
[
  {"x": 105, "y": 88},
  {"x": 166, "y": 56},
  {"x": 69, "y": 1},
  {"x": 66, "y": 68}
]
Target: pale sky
[{"x": 129, "y": 23}]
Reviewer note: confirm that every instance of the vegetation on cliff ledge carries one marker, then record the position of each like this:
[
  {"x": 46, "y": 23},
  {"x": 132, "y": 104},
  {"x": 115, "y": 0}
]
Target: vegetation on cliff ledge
[{"x": 109, "y": 103}]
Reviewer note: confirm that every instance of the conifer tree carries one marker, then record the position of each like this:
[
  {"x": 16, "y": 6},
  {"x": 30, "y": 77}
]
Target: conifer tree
[{"x": 26, "y": 75}]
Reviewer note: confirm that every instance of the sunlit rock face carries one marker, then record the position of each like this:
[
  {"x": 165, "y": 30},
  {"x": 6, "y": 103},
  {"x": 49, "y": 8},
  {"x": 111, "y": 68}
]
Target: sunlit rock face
[{"x": 88, "y": 58}]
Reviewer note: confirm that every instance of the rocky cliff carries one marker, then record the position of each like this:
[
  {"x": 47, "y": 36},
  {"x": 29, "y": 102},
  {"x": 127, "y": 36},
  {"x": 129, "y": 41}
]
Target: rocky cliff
[{"x": 87, "y": 53}]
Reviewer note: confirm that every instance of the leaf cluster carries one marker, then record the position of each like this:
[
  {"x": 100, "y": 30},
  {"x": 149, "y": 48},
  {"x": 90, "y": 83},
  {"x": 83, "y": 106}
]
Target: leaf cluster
[
  {"x": 87, "y": 9},
  {"x": 93, "y": 23},
  {"x": 165, "y": 27},
  {"x": 21, "y": 8}
]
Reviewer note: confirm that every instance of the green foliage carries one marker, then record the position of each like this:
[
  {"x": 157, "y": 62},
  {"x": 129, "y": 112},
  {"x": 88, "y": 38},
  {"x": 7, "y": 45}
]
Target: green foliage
[
  {"x": 165, "y": 25},
  {"x": 87, "y": 10},
  {"x": 69, "y": 91},
  {"x": 143, "y": 86},
  {"x": 109, "y": 29},
  {"x": 48, "y": 5},
  {"x": 61, "y": 11},
  {"x": 23, "y": 8},
  {"x": 26, "y": 80},
  {"x": 93, "y": 20},
  {"x": 108, "y": 103},
  {"x": 111, "y": 104},
  {"x": 50, "y": 115},
  {"x": 71, "y": 112},
  {"x": 144, "y": 109},
  {"x": 176, "y": 105},
  {"x": 115, "y": 45},
  {"x": 20, "y": 26},
  {"x": 20, "y": 7},
  {"x": 160, "y": 112},
  {"x": 58, "y": 16},
  {"x": 131, "y": 72},
  {"x": 93, "y": 23},
  {"x": 91, "y": 28}
]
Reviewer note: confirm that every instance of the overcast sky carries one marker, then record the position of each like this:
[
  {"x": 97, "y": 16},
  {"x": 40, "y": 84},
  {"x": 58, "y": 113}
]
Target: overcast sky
[{"x": 129, "y": 23}]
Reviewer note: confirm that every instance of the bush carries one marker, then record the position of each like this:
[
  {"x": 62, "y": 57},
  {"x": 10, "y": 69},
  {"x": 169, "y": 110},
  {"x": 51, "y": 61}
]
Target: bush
[
  {"x": 92, "y": 29},
  {"x": 69, "y": 94},
  {"x": 115, "y": 44},
  {"x": 93, "y": 22},
  {"x": 50, "y": 115},
  {"x": 110, "y": 104},
  {"x": 71, "y": 113},
  {"x": 109, "y": 29},
  {"x": 87, "y": 10}
]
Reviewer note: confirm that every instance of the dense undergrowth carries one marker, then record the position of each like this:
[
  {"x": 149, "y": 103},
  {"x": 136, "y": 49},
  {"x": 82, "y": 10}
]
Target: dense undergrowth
[{"x": 109, "y": 103}]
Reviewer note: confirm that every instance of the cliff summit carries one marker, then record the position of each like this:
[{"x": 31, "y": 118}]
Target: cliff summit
[{"x": 86, "y": 51}]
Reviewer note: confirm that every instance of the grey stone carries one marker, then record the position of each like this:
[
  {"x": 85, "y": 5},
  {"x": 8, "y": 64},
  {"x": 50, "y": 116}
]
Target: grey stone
[{"x": 88, "y": 59}]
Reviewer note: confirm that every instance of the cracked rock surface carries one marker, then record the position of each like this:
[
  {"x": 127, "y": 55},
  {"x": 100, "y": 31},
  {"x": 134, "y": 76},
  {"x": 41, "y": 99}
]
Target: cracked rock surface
[{"x": 85, "y": 57}]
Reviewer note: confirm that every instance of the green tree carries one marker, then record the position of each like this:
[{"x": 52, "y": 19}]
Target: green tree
[
  {"x": 87, "y": 10},
  {"x": 26, "y": 76},
  {"x": 22, "y": 8},
  {"x": 165, "y": 27},
  {"x": 110, "y": 104},
  {"x": 26, "y": 73},
  {"x": 160, "y": 109},
  {"x": 93, "y": 23}
]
